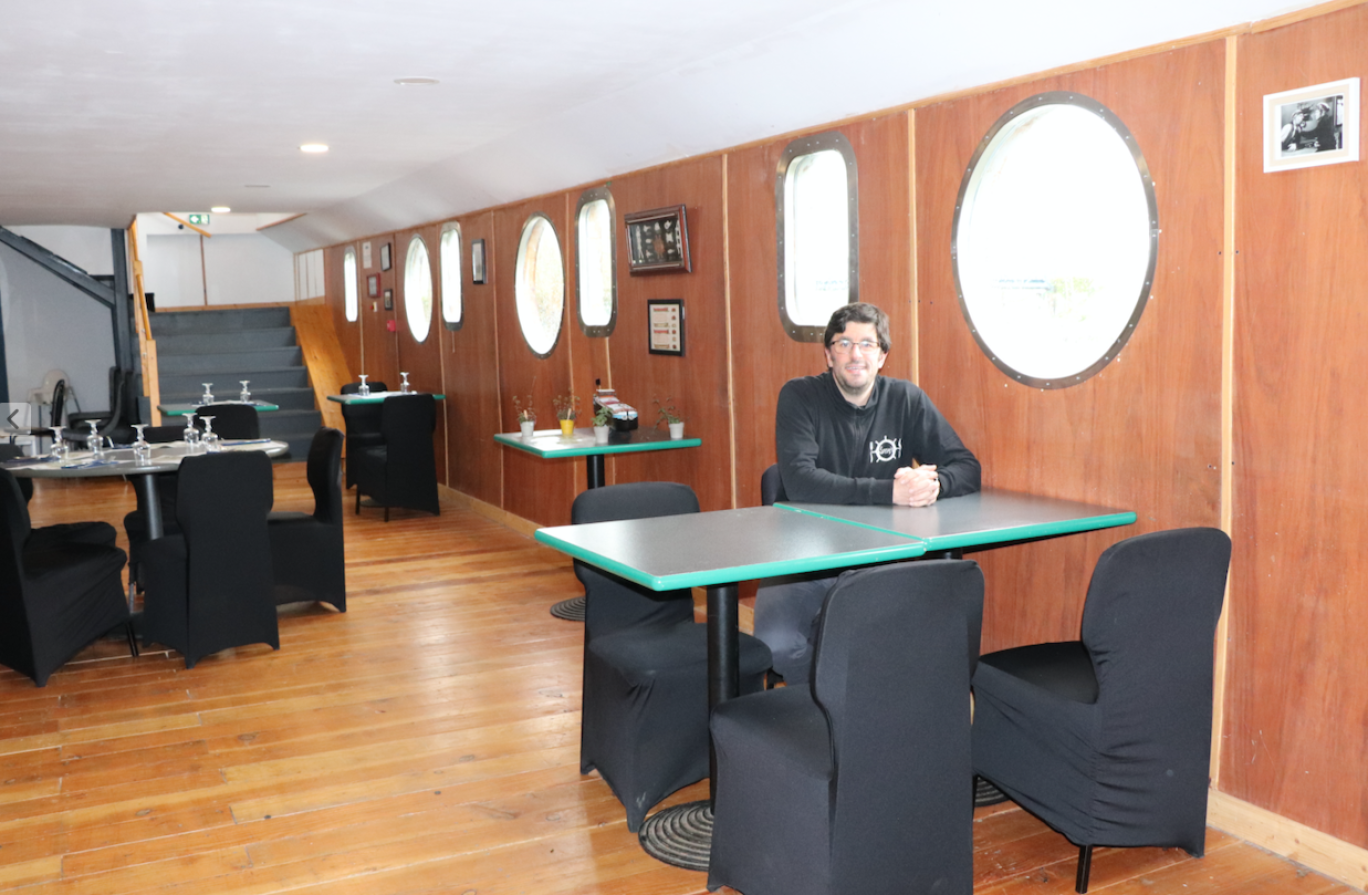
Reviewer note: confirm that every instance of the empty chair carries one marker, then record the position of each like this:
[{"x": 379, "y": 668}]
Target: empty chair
[
  {"x": 306, "y": 549},
  {"x": 135, "y": 525},
  {"x": 363, "y": 426},
  {"x": 56, "y": 598},
  {"x": 92, "y": 532},
  {"x": 644, "y": 725},
  {"x": 231, "y": 420},
  {"x": 859, "y": 781},
  {"x": 401, "y": 472},
  {"x": 1108, "y": 738},
  {"x": 771, "y": 486},
  {"x": 210, "y": 587}
]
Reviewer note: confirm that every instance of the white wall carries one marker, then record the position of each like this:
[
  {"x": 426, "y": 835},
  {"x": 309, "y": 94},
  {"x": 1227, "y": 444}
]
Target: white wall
[
  {"x": 86, "y": 247},
  {"x": 237, "y": 269},
  {"x": 50, "y": 324}
]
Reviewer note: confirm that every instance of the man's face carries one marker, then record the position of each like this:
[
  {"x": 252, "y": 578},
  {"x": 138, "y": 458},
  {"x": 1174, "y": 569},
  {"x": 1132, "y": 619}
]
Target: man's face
[{"x": 856, "y": 367}]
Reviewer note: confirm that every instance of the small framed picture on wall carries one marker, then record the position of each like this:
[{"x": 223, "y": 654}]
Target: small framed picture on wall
[
  {"x": 658, "y": 241},
  {"x": 389, "y": 299},
  {"x": 385, "y": 256},
  {"x": 1311, "y": 126},
  {"x": 373, "y": 285},
  {"x": 477, "y": 261},
  {"x": 665, "y": 317}
]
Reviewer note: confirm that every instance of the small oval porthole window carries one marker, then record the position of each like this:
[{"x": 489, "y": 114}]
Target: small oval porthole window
[
  {"x": 352, "y": 299},
  {"x": 1055, "y": 240},
  {"x": 539, "y": 287},
  {"x": 418, "y": 289},
  {"x": 450, "y": 256},
  {"x": 596, "y": 263}
]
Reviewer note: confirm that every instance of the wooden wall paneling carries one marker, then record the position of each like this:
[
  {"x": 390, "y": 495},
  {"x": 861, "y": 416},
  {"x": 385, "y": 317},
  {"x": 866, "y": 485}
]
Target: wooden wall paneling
[
  {"x": 1144, "y": 433},
  {"x": 474, "y": 404},
  {"x": 421, "y": 360},
  {"x": 697, "y": 381},
  {"x": 588, "y": 357},
  {"x": 533, "y": 488},
  {"x": 380, "y": 347},
  {"x": 764, "y": 357},
  {"x": 1297, "y": 700},
  {"x": 348, "y": 333}
]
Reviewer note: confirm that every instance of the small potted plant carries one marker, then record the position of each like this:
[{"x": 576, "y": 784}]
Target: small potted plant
[
  {"x": 527, "y": 417},
  {"x": 603, "y": 417},
  {"x": 567, "y": 408},
  {"x": 669, "y": 414}
]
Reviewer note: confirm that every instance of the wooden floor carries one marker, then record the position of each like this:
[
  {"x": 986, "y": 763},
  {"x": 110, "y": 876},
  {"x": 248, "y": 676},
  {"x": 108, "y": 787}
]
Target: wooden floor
[{"x": 425, "y": 741}]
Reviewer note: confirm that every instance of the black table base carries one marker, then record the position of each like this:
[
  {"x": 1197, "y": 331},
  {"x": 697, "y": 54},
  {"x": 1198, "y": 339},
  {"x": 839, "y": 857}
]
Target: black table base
[
  {"x": 986, "y": 794},
  {"x": 572, "y": 610},
  {"x": 680, "y": 835}
]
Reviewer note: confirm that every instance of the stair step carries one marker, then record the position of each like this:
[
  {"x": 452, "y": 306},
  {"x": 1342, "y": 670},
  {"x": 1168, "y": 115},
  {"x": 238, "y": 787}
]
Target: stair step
[
  {"x": 284, "y": 398},
  {"x": 233, "y": 340},
  {"x": 171, "y": 322},
  {"x": 261, "y": 358},
  {"x": 225, "y": 382}
]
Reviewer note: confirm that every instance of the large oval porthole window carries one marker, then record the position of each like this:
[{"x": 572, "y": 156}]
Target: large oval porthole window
[
  {"x": 1055, "y": 239},
  {"x": 349, "y": 290},
  {"x": 539, "y": 288},
  {"x": 418, "y": 289}
]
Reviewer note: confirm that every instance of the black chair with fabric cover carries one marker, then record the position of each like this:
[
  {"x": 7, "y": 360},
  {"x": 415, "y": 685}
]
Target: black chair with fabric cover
[
  {"x": 1108, "y": 738},
  {"x": 860, "y": 781},
  {"x": 91, "y": 532},
  {"x": 363, "y": 426},
  {"x": 55, "y": 598},
  {"x": 210, "y": 587},
  {"x": 771, "y": 486},
  {"x": 135, "y": 526},
  {"x": 306, "y": 548},
  {"x": 231, "y": 420},
  {"x": 401, "y": 472},
  {"x": 644, "y": 724}
]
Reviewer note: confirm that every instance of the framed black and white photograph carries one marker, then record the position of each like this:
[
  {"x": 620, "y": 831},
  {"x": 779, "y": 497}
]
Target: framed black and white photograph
[
  {"x": 384, "y": 256},
  {"x": 1317, "y": 125},
  {"x": 373, "y": 286},
  {"x": 477, "y": 261},
  {"x": 389, "y": 299},
  {"x": 658, "y": 241},
  {"x": 366, "y": 255},
  {"x": 665, "y": 316}
]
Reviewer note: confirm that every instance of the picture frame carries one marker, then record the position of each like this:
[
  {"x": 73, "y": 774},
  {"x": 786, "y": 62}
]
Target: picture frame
[
  {"x": 1311, "y": 126},
  {"x": 389, "y": 299},
  {"x": 385, "y": 261},
  {"x": 477, "y": 261},
  {"x": 665, "y": 326},
  {"x": 373, "y": 285},
  {"x": 366, "y": 254},
  {"x": 658, "y": 241}
]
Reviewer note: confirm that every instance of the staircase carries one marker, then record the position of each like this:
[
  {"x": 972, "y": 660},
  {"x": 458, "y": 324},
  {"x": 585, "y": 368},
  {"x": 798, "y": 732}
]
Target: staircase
[{"x": 225, "y": 347}]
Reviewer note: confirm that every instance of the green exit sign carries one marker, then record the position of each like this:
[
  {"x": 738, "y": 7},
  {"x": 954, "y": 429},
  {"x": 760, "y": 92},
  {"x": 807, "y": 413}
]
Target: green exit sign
[{"x": 199, "y": 220}]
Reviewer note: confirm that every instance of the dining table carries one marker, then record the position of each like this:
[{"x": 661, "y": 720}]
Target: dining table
[
  {"x": 187, "y": 409},
  {"x": 377, "y": 397},
  {"x": 719, "y": 549}
]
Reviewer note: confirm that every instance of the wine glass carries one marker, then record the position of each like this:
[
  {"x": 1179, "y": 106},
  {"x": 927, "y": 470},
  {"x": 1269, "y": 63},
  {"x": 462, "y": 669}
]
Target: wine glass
[
  {"x": 191, "y": 435},
  {"x": 212, "y": 443},
  {"x": 404, "y": 386},
  {"x": 96, "y": 448},
  {"x": 142, "y": 451},
  {"x": 58, "y": 448},
  {"x": 208, "y": 396},
  {"x": 364, "y": 390},
  {"x": 246, "y": 396}
]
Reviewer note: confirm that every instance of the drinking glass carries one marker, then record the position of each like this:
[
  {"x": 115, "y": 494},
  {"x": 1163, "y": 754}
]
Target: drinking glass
[
  {"x": 246, "y": 396},
  {"x": 212, "y": 443},
  {"x": 208, "y": 396},
  {"x": 142, "y": 451},
  {"x": 404, "y": 386},
  {"x": 58, "y": 449},
  {"x": 96, "y": 448},
  {"x": 364, "y": 390},
  {"x": 191, "y": 435}
]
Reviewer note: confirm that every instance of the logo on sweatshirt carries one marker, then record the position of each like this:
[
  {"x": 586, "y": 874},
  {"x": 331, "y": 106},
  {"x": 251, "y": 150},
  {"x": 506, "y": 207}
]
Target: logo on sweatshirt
[{"x": 884, "y": 450}]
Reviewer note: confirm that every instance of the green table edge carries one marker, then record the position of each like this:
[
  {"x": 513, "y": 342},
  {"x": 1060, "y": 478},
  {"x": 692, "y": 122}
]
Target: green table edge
[
  {"x": 913, "y": 549},
  {"x": 515, "y": 441},
  {"x": 340, "y": 399},
  {"x": 973, "y": 539},
  {"x": 179, "y": 410}
]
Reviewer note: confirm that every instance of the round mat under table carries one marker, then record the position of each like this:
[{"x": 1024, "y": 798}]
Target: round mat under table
[
  {"x": 572, "y": 610},
  {"x": 680, "y": 835}
]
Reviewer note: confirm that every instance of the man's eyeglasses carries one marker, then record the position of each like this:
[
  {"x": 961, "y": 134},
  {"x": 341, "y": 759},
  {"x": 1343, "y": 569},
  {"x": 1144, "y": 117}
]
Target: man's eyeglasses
[{"x": 845, "y": 346}]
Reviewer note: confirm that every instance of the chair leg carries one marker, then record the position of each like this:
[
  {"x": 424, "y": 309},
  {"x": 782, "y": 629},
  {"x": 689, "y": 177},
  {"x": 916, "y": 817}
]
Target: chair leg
[
  {"x": 386, "y": 514},
  {"x": 132, "y": 638},
  {"x": 358, "y": 501},
  {"x": 1084, "y": 867}
]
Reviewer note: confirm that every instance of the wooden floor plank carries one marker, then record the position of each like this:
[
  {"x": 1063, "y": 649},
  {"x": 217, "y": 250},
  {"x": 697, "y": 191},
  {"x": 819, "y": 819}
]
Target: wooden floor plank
[{"x": 426, "y": 740}]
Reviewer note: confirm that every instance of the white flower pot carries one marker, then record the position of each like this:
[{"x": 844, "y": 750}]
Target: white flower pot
[
  {"x": 526, "y": 427},
  {"x": 676, "y": 431},
  {"x": 600, "y": 435}
]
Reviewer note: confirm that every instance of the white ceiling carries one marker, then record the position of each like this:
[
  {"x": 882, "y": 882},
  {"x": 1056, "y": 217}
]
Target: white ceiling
[{"x": 112, "y": 108}]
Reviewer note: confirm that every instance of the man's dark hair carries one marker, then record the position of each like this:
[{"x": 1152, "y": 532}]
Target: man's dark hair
[{"x": 858, "y": 312}]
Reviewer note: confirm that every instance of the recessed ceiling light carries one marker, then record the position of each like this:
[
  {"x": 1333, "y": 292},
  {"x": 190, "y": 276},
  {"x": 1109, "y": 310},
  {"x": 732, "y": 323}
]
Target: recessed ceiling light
[
  {"x": 220, "y": 209},
  {"x": 416, "y": 82},
  {"x": 314, "y": 147}
]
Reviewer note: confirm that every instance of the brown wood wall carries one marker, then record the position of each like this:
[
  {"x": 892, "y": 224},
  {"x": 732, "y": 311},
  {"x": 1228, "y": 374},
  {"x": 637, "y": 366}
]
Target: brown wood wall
[
  {"x": 1297, "y": 733},
  {"x": 1145, "y": 433}
]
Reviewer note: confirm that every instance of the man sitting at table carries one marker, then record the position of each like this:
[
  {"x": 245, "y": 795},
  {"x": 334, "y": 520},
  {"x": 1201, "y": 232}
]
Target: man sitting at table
[{"x": 851, "y": 436}]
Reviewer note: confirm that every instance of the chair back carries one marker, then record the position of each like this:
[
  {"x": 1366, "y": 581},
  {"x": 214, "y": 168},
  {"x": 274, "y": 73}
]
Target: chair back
[
  {"x": 1149, "y": 625},
  {"x": 891, "y": 672},
  {"x": 614, "y": 603},
  {"x": 771, "y": 486},
  {"x": 15, "y": 640},
  {"x": 324, "y": 471},
  {"x": 231, "y": 420},
  {"x": 58, "y": 402},
  {"x": 352, "y": 388}
]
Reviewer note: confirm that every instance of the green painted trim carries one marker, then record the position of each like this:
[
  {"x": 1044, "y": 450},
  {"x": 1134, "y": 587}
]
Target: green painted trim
[
  {"x": 550, "y": 453},
  {"x": 375, "y": 399},
  {"x": 187, "y": 409},
  {"x": 1029, "y": 532},
  {"x": 734, "y": 574}
]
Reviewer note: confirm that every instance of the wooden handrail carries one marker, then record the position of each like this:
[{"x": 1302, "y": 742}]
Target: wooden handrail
[{"x": 147, "y": 346}]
